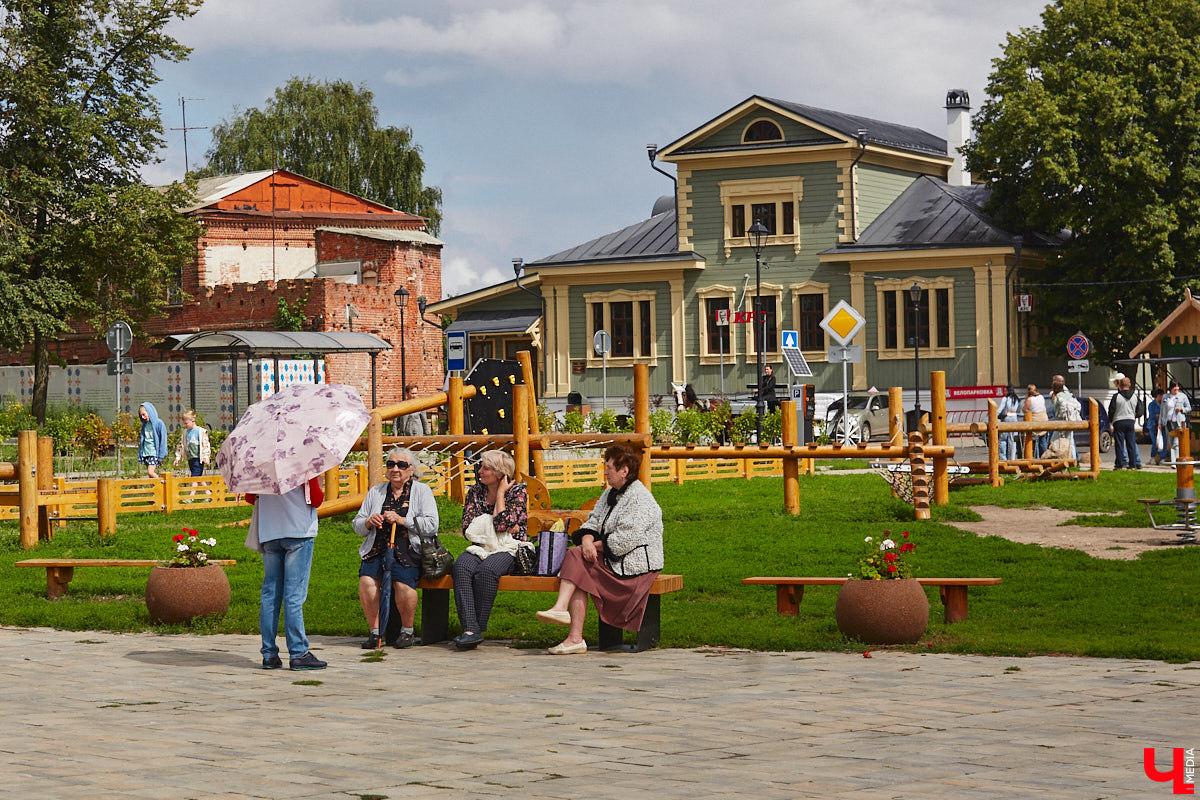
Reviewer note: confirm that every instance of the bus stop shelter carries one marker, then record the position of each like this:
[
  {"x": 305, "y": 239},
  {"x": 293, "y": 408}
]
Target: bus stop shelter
[{"x": 259, "y": 344}]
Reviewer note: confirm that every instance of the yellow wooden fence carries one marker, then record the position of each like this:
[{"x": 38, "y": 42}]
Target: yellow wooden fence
[{"x": 176, "y": 493}]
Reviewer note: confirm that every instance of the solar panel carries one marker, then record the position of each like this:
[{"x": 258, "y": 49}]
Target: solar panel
[{"x": 796, "y": 362}]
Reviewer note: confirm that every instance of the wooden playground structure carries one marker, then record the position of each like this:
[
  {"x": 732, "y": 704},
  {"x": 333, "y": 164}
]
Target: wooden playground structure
[{"x": 925, "y": 458}]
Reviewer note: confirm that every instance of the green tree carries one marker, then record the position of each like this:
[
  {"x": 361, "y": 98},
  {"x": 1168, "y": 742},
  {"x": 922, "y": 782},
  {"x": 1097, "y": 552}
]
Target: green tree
[
  {"x": 328, "y": 131},
  {"x": 1092, "y": 125},
  {"x": 81, "y": 238}
]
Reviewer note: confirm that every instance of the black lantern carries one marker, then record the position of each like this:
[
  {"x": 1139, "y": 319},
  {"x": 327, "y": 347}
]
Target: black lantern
[
  {"x": 914, "y": 292},
  {"x": 402, "y": 295},
  {"x": 758, "y": 238}
]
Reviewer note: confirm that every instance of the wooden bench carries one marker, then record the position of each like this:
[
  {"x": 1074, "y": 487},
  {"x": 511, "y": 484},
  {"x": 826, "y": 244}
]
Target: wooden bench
[
  {"x": 435, "y": 608},
  {"x": 790, "y": 591},
  {"x": 60, "y": 571}
]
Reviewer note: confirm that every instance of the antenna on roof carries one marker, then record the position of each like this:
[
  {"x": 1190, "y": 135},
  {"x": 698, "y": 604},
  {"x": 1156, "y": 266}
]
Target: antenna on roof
[{"x": 185, "y": 129}]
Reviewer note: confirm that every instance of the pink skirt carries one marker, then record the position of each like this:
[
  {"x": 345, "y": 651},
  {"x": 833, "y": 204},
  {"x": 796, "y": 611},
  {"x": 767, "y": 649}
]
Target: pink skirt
[{"x": 620, "y": 602}]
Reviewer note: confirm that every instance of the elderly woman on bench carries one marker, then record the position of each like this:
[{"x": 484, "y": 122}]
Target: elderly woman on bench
[
  {"x": 620, "y": 553},
  {"x": 477, "y": 571}
]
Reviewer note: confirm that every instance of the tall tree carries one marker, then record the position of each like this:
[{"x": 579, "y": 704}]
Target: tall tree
[
  {"x": 80, "y": 236},
  {"x": 328, "y": 131},
  {"x": 1092, "y": 125}
]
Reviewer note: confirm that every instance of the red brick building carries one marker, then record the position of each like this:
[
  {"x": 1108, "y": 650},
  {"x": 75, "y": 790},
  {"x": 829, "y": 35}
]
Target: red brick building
[{"x": 339, "y": 258}]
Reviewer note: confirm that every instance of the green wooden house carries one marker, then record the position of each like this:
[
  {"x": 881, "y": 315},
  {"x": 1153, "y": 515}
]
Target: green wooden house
[{"x": 856, "y": 209}]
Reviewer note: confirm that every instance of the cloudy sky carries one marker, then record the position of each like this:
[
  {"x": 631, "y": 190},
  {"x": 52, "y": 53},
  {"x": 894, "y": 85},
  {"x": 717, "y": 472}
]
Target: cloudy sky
[{"x": 533, "y": 117}]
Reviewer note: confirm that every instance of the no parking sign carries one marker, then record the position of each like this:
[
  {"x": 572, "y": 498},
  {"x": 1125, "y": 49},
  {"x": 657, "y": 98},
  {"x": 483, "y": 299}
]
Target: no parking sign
[{"x": 1078, "y": 346}]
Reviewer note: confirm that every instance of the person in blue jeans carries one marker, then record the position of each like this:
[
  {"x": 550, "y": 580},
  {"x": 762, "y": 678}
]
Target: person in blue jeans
[
  {"x": 287, "y": 531},
  {"x": 1156, "y": 452}
]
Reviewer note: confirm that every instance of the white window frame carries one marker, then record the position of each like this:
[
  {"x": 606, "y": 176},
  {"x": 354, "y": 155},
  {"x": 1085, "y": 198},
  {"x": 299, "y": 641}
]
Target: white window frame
[
  {"x": 622, "y": 296},
  {"x": 716, "y": 291},
  {"x": 765, "y": 190},
  {"x": 806, "y": 288},
  {"x": 757, "y": 120},
  {"x": 902, "y": 286},
  {"x": 768, "y": 290}
]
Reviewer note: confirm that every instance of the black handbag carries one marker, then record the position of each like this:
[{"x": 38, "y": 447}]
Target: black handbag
[
  {"x": 436, "y": 560},
  {"x": 527, "y": 560}
]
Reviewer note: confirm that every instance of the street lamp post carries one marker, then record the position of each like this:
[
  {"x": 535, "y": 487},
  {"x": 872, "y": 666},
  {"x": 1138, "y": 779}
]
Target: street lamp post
[
  {"x": 914, "y": 292},
  {"x": 402, "y": 301},
  {"x": 758, "y": 236}
]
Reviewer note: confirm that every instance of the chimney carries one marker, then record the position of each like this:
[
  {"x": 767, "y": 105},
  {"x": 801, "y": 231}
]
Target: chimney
[{"x": 958, "y": 130}]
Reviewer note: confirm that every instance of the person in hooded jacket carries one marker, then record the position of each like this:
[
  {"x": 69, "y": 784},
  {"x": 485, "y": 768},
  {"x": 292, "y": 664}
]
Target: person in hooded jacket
[
  {"x": 1122, "y": 413},
  {"x": 152, "y": 444}
]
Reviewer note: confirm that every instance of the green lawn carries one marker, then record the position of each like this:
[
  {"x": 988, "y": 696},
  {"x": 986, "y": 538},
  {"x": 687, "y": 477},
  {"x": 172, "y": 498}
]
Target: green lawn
[{"x": 717, "y": 532}]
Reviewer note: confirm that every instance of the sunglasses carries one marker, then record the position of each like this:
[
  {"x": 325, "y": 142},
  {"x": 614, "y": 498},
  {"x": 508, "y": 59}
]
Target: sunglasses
[{"x": 396, "y": 464}]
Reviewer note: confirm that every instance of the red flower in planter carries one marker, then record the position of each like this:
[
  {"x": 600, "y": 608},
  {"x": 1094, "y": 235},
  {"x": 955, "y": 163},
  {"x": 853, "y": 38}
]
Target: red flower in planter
[{"x": 179, "y": 537}]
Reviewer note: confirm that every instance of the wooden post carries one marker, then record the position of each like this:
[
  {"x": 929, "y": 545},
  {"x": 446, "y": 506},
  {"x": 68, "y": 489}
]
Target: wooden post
[
  {"x": 375, "y": 474},
  {"x": 170, "y": 492},
  {"x": 106, "y": 505},
  {"x": 941, "y": 477},
  {"x": 520, "y": 425},
  {"x": 993, "y": 439},
  {"x": 791, "y": 466},
  {"x": 1093, "y": 436},
  {"x": 920, "y": 481},
  {"x": 27, "y": 487},
  {"x": 45, "y": 482},
  {"x": 1185, "y": 476},
  {"x": 641, "y": 398},
  {"x": 454, "y": 416},
  {"x": 535, "y": 424},
  {"x": 333, "y": 483},
  {"x": 1029, "y": 436}
]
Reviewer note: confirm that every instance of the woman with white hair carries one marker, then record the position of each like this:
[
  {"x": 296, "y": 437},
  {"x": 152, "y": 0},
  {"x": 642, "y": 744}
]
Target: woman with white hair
[
  {"x": 476, "y": 576},
  {"x": 401, "y": 509}
]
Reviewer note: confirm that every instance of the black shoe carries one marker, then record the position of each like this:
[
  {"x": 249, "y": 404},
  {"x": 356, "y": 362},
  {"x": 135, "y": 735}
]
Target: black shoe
[
  {"x": 468, "y": 641},
  {"x": 404, "y": 641},
  {"x": 307, "y": 661},
  {"x": 272, "y": 662},
  {"x": 1137, "y": 466},
  {"x": 372, "y": 642}
]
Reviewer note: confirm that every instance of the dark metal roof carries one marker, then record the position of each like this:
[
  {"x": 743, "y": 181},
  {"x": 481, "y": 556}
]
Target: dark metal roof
[
  {"x": 490, "y": 321},
  {"x": 888, "y": 134},
  {"x": 931, "y": 214},
  {"x": 272, "y": 343},
  {"x": 653, "y": 239}
]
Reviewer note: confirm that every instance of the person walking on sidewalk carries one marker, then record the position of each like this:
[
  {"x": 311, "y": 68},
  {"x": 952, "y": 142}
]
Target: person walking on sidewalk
[
  {"x": 1152, "y": 427},
  {"x": 1122, "y": 413},
  {"x": 1174, "y": 412}
]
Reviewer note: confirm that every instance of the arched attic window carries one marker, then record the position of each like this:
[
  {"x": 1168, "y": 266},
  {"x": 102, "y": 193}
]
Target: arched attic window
[{"x": 763, "y": 130}]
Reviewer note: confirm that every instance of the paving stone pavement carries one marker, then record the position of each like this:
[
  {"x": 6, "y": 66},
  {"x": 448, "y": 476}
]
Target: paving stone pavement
[{"x": 104, "y": 716}]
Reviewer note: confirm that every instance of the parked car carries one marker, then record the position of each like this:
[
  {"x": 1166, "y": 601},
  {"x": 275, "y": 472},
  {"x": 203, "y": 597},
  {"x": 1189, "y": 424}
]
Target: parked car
[
  {"x": 868, "y": 418},
  {"x": 1106, "y": 438}
]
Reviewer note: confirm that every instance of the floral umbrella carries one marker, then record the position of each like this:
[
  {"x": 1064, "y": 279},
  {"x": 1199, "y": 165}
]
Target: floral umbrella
[{"x": 293, "y": 435}]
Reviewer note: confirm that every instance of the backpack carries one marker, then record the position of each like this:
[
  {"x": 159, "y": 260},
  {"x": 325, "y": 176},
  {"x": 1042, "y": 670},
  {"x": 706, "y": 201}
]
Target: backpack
[
  {"x": 1072, "y": 410},
  {"x": 1140, "y": 410}
]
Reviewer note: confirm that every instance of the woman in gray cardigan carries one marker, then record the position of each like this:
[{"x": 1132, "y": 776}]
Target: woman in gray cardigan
[
  {"x": 620, "y": 554},
  {"x": 404, "y": 503}
]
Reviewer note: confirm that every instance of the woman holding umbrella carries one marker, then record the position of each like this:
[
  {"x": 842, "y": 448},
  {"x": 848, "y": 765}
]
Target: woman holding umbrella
[{"x": 394, "y": 517}]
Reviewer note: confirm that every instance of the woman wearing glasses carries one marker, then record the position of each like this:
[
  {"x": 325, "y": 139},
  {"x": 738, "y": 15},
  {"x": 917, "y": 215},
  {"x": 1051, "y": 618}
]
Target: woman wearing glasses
[
  {"x": 404, "y": 503},
  {"x": 476, "y": 579}
]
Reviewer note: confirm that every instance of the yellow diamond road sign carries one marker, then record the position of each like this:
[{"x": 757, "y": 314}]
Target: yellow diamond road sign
[{"x": 842, "y": 322}]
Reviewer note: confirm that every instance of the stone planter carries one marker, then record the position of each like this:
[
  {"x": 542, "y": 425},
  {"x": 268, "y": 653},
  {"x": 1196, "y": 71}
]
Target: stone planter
[
  {"x": 180, "y": 594},
  {"x": 882, "y": 612}
]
